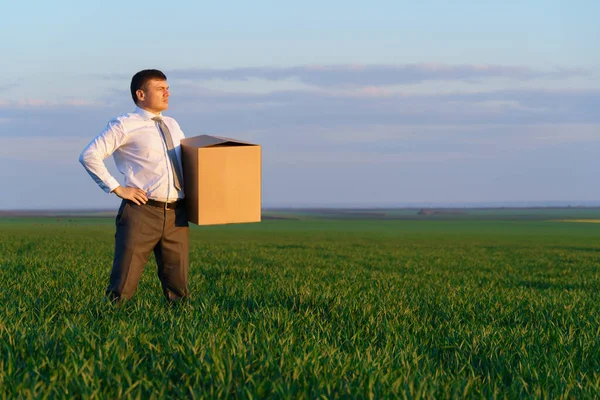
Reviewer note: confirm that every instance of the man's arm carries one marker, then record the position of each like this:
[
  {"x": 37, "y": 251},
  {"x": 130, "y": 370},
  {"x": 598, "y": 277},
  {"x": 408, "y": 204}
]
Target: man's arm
[
  {"x": 93, "y": 156},
  {"x": 175, "y": 128}
]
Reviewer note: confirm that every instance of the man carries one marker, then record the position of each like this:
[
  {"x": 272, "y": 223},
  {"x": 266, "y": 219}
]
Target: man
[{"x": 152, "y": 218}]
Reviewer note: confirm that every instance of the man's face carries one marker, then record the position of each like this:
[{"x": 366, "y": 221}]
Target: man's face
[{"x": 155, "y": 96}]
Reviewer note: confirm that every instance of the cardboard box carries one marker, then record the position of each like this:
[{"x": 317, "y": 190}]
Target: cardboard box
[{"x": 222, "y": 178}]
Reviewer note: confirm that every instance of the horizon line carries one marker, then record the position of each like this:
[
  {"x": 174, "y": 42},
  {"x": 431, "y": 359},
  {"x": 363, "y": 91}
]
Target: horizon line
[{"x": 415, "y": 205}]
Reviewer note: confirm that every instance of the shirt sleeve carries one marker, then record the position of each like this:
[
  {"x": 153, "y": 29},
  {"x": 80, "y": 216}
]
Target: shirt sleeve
[
  {"x": 181, "y": 134},
  {"x": 93, "y": 156}
]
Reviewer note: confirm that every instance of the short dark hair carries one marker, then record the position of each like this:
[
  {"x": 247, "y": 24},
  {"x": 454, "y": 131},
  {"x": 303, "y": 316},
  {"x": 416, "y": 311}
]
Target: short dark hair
[{"x": 140, "y": 80}]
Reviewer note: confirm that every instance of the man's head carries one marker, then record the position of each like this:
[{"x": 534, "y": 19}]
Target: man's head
[{"x": 150, "y": 91}]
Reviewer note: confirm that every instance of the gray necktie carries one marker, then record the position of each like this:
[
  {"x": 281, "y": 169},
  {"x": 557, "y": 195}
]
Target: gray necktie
[{"x": 166, "y": 134}]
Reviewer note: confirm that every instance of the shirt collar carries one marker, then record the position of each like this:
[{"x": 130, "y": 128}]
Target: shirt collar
[{"x": 146, "y": 115}]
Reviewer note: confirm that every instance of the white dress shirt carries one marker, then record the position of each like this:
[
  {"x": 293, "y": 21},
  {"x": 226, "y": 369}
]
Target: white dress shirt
[{"x": 140, "y": 153}]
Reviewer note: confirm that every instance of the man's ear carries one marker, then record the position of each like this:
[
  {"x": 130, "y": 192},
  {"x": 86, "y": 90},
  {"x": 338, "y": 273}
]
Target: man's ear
[{"x": 140, "y": 94}]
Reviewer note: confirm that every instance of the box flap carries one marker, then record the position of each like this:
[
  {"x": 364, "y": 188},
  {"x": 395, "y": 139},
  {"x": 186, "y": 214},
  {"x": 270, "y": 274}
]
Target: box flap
[{"x": 209, "y": 141}]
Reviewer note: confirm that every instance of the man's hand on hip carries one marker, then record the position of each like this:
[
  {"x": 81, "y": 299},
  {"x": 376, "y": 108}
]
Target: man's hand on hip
[{"x": 138, "y": 196}]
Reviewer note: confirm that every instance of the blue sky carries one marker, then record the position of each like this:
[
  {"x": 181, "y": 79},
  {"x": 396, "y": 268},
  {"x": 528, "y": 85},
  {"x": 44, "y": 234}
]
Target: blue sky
[{"x": 354, "y": 104}]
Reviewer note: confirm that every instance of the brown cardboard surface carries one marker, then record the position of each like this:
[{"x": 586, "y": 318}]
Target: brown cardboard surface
[{"x": 222, "y": 178}]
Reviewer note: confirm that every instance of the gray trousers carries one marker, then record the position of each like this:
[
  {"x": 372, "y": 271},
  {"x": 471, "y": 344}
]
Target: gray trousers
[{"x": 142, "y": 230}]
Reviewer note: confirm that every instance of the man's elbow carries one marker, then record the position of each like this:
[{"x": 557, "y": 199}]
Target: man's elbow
[
  {"x": 82, "y": 158},
  {"x": 86, "y": 158}
]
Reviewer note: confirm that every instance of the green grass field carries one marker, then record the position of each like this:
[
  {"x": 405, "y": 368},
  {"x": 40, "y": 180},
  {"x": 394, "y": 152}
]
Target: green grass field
[{"x": 498, "y": 306}]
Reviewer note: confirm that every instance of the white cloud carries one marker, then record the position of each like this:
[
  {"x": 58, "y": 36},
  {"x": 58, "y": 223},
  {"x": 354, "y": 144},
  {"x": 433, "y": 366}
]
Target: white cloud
[
  {"x": 47, "y": 150},
  {"x": 366, "y": 75},
  {"x": 566, "y": 133},
  {"x": 32, "y": 102},
  {"x": 7, "y": 87},
  {"x": 368, "y": 157}
]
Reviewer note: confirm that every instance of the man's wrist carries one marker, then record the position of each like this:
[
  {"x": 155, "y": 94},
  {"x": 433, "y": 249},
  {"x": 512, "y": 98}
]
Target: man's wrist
[{"x": 112, "y": 184}]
